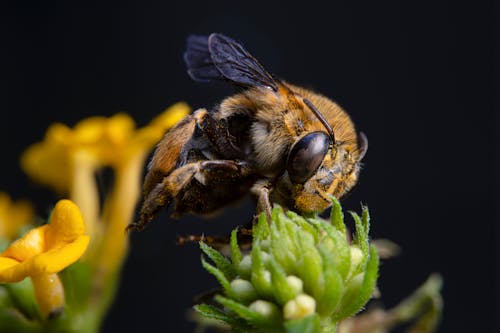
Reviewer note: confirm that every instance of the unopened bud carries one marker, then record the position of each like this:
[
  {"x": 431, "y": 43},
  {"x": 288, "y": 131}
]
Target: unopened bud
[
  {"x": 243, "y": 290},
  {"x": 265, "y": 308},
  {"x": 301, "y": 306},
  {"x": 356, "y": 258},
  {"x": 265, "y": 257},
  {"x": 265, "y": 244},
  {"x": 245, "y": 266},
  {"x": 295, "y": 284}
]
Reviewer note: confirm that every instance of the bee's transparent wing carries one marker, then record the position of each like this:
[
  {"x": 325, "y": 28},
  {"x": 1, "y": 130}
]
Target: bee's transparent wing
[{"x": 218, "y": 57}]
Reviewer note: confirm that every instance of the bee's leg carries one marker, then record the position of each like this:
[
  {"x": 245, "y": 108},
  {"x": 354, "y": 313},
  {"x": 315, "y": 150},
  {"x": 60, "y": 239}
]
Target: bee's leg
[
  {"x": 244, "y": 237},
  {"x": 261, "y": 189},
  {"x": 163, "y": 193},
  {"x": 204, "y": 171}
]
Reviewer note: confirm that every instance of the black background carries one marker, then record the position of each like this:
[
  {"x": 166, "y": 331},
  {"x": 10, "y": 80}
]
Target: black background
[{"x": 417, "y": 78}]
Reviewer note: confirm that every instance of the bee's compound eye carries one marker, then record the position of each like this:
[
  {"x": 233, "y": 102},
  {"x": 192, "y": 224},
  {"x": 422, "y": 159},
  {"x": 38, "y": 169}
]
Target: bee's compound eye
[{"x": 306, "y": 156}]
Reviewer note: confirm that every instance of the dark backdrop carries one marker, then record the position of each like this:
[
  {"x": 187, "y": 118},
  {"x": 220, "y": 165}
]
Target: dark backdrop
[{"x": 417, "y": 78}]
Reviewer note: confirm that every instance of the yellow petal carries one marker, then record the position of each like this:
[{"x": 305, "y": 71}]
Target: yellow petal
[
  {"x": 48, "y": 162},
  {"x": 171, "y": 115},
  {"x": 66, "y": 224},
  {"x": 119, "y": 128},
  {"x": 89, "y": 130},
  {"x": 28, "y": 246},
  {"x": 6, "y": 263},
  {"x": 13, "y": 216},
  {"x": 57, "y": 259},
  {"x": 12, "y": 271}
]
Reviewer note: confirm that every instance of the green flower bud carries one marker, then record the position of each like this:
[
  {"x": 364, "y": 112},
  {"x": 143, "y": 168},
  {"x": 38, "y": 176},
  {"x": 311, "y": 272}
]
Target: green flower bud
[
  {"x": 357, "y": 258},
  {"x": 304, "y": 272},
  {"x": 264, "y": 308},
  {"x": 243, "y": 290},
  {"x": 245, "y": 266},
  {"x": 295, "y": 284},
  {"x": 265, "y": 244},
  {"x": 265, "y": 258}
]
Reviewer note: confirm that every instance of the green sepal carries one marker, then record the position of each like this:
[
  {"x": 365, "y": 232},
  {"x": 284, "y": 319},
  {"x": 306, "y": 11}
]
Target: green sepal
[
  {"x": 283, "y": 246},
  {"x": 337, "y": 216},
  {"x": 309, "y": 324},
  {"x": 261, "y": 228},
  {"x": 355, "y": 298},
  {"x": 222, "y": 263},
  {"x": 252, "y": 317},
  {"x": 281, "y": 290},
  {"x": 235, "y": 249},
  {"x": 303, "y": 224},
  {"x": 361, "y": 236},
  {"x": 365, "y": 218},
  {"x": 219, "y": 275},
  {"x": 341, "y": 249},
  {"x": 212, "y": 312},
  {"x": 334, "y": 284},
  {"x": 258, "y": 278},
  {"x": 310, "y": 267}
]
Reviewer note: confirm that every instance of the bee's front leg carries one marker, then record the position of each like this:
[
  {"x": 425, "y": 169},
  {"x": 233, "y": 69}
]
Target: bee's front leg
[{"x": 261, "y": 189}]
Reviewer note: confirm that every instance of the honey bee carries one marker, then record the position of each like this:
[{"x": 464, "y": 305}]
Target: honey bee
[{"x": 280, "y": 142}]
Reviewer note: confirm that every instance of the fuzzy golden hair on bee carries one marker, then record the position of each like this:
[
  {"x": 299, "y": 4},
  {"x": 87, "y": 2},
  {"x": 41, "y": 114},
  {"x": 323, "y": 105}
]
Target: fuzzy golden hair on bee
[{"x": 279, "y": 141}]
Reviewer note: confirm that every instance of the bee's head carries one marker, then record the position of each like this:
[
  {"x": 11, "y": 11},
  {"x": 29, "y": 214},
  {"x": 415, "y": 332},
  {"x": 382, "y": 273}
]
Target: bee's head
[{"x": 317, "y": 168}]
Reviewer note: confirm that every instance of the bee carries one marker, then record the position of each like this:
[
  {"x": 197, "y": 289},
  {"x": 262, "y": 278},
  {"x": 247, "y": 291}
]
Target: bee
[{"x": 283, "y": 143}]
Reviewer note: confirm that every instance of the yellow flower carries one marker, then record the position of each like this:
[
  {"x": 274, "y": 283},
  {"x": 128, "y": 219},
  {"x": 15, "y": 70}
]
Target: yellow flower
[
  {"x": 44, "y": 251},
  {"x": 13, "y": 216},
  {"x": 105, "y": 141},
  {"x": 67, "y": 160}
]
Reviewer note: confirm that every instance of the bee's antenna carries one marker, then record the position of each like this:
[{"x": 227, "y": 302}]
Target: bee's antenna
[{"x": 321, "y": 118}]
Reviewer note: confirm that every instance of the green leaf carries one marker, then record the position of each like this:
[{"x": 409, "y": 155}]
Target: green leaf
[
  {"x": 334, "y": 285},
  {"x": 341, "y": 249},
  {"x": 5, "y": 300},
  {"x": 23, "y": 296},
  {"x": 12, "y": 321},
  {"x": 235, "y": 249},
  {"x": 352, "y": 303},
  {"x": 252, "y": 317},
  {"x": 336, "y": 215},
  {"x": 281, "y": 290},
  {"x": 219, "y": 276},
  {"x": 309, "y": 324},
  {"x": 220, "y": 261}
]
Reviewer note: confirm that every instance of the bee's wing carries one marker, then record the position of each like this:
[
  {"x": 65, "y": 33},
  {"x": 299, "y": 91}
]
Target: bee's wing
[{"x": 218, "y": 57}]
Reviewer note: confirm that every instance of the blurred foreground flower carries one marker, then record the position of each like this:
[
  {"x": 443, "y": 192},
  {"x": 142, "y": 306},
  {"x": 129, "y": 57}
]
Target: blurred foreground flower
[
  {"x": 44, "y": 251},
  {"x": 15, "y": 216},
  {"x": 301, "y": 276},
  {"x": 67, "y": 160}
]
